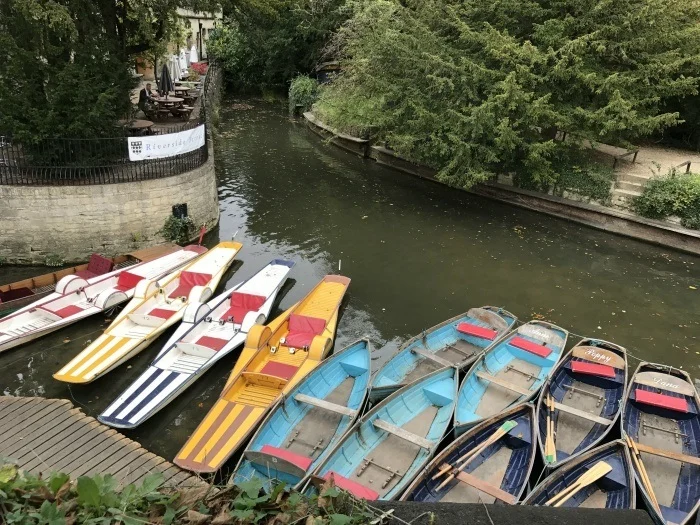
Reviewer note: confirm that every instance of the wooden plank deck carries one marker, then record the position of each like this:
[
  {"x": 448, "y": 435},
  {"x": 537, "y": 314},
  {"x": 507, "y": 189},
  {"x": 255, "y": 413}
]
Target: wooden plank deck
[{"x": 47, "y": 435}]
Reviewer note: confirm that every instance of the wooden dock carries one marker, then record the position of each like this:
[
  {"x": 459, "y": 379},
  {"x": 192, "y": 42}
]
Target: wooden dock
[{"x": 50, "y": 435}]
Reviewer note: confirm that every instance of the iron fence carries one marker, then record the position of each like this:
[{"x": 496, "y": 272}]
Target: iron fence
[{"x": 101, "y": 160}]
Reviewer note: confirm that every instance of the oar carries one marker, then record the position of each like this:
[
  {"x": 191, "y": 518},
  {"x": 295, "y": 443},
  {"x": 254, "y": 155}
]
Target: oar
[
  {"x": 462, "y": 462},
  {"x": 596, "y": 472},
  {"x": 550, "y": 449},
  {"x": 643, "y": 476}
]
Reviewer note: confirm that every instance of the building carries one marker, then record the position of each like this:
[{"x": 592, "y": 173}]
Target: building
[{"x": 201, "y": 25}]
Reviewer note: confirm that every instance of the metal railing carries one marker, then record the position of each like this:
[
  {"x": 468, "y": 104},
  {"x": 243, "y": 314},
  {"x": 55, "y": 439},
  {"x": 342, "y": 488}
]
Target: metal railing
[{"x": 101, "y": 160}]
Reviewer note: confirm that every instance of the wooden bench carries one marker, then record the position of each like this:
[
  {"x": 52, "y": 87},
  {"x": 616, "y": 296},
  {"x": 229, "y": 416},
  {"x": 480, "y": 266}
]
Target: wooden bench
[
  {"x": 483, "y": 486},
  {"x": 505, "y": 384},
  {"x": 429, "y": 355},
  {"x": 580, "y": 413},
  {"x": 325, "y": 405},
  {"x": 403, "y": 434},
  {"x": 667, "y": 454}
]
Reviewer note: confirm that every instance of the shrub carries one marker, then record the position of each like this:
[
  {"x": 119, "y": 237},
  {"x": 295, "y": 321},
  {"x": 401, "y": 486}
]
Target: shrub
[
  {"x": 200, "y": 67},
  {"x": 178, "y": 230},
  {"x": 671, "y": 195},
  {"x": 303, "y": 92},
  {"x": 588, "y": 178}
]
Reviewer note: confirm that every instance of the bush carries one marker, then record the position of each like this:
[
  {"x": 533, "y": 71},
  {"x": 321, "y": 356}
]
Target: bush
[
  {"x": 178, "y": 230},
  {"x": 200, "y": 67},
  {"x": 303, "y": 92},
  {"x": 587, "y": 178},
  {"x": 671, "y": 195}
]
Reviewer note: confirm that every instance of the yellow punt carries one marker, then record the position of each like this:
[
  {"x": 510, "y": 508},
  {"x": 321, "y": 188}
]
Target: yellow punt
[
  {"x": 155, "y": 307},
  {"x": 275, "y": 358}
]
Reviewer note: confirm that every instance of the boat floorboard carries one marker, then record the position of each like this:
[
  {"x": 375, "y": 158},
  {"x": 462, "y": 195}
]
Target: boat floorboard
[
  {"x": 496, "y": 398},
  {"x": 663, "y": 472},
  {"x": 571, "y": 429},
  {"x": 491, "y": 471},
  {"x": 47, "y": 435}
]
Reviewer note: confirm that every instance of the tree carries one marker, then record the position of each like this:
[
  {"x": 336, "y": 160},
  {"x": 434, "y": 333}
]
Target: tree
[{"x": 475, "y": 87}]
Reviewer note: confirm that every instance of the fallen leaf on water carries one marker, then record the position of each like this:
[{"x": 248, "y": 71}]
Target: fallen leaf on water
[
  {"x": 66, "y": 340},
  {"x": 692, "y": 287},
  {"x": 201, "y": 405}
]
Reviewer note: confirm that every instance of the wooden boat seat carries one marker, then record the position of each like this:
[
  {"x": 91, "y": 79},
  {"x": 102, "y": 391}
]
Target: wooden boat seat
[
  {"x": 593, "y": 369},
  {"x": 163, "y": 313},
  {"x": 483, "y": 486},
  {"x": 97, "y": 265},
  {"x": 241, "y": 304},
  {"x": 678, "y": 404},
  {"x": 477, "y": 331},
  {"x": 282, "y": 370},
  {"x": 582, "y": 414},
  {"x": 356, "y": 489},
  {"x": 195, "y": 350},
  {"x": 300, "y": 461},
  {"x": 64, "y": 312},
  {"x": 403, "y": 434},
  {"x": 151, "y": 320},
  {"x": 214, "y": 343},
  {"x": 189, "y": 280},
  {"x": 127, "y": 281},
  {"x": 668, "y": 454},
  {"x": 521, "y": 343},
  {"x": 302, "y": 330},
  {"x": 326, "y": 405},
  {"x": 429, "y": 355},
  {"x": 265, "y": 380},
  {"x": 504, "y": 384}
]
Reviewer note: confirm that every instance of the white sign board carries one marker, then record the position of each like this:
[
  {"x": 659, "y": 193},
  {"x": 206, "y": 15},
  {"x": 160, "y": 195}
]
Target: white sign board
[{"x": 161, "y": 146}]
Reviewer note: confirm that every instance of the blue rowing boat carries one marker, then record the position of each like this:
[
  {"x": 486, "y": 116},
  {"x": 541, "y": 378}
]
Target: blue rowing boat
[
  {"x": 582, "y": 400},
  {"x": 380, "y": 455},
  {"x": 455, "y": 342},
  {"x": 614, "y": 490},
  {"x": 490, "y": 463},
  {"x": 660, "y": 421},
  {"x": 305, "y": 424},
  {"x": 510, "y": 372}
]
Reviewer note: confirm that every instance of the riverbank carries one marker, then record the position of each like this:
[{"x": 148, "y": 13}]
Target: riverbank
[{"x": 593, "y": 215}]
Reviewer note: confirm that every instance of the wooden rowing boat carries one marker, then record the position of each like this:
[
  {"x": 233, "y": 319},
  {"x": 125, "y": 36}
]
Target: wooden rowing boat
[
  {"x": 486, "y": 465},
  {"x": 455, "y": 342},
  {"x": 208, "y": 333},
  {"x": 587, "y": 388},
  {"x": 275, "y": 358},
  {"x": 381, "y": 454},
  {"x": 614, "y": 490},
  {"x": 156, "y": 306},
  {"x": 76, "y": 298},
  {"x": 511, "y": 372},
  {"x": 304, "y": 426},
  {"x": 660, "y": 418}
]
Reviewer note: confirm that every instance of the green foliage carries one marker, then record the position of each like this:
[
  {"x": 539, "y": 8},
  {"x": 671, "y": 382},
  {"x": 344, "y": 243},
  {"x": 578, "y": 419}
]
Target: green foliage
[
  {"x": 586, "y": 177},
  {"x": 479, "y": 87},
  {"x": 303, "y": 92},
  {"x": 53, "y": 259},
  {"x": 268, "y": 43},
  {"x": 671, "y": 195},
  {"x": 178, "y": 230}
]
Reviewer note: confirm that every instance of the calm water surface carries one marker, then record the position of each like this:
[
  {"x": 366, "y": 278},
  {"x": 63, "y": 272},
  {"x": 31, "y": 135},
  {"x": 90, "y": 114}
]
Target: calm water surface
[{"x": 417, "y": 253}]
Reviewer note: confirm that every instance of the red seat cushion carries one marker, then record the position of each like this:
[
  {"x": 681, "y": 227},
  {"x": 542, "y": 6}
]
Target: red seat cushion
[
  {"x": 127, "y": 281},
  {"x": 213, "y": 343},
  {"x": 302, "y": 330},
  {"x": 98, "y": 265},
  {"x": 189, "y": 280},
  {"x": 661, "y": 400},
  {"x": 85, "y": 274},
  {"x": 529, "y": 346},
  {"x": 354, "y": 488},
  {"x": 295, "y": 459},
  {"x": 163, "y": 313},
  {"x": 66, "y": 311},
  {"x": 281, "y": 370},
  {"x": 593, "y": 369},
  {"x": 477, "y": 331},
  {"x": 241, "y": 304}
]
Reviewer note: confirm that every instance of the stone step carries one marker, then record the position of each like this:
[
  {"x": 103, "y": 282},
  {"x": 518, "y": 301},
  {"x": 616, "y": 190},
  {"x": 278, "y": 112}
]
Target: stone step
[
  {"x": 633, "y": 177},
  {"x": 634, "y": 187},
  {"x": 623, "y": 198}
]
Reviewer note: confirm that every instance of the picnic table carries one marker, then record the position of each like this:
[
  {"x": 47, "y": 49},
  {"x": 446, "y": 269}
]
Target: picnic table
[
  {"x": 168, "y": 101},
  {"x": 139, "y": 126}
]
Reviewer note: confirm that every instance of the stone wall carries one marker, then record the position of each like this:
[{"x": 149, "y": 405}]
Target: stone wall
[{"x": 76, "y": 221}]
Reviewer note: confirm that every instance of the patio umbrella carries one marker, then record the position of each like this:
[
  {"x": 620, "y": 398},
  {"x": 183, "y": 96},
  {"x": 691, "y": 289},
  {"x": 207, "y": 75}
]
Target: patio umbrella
[
  {"x": 183, "y": 60},
  {"x": 193, "y": 55},
  {"x": 165, "y": 83}
]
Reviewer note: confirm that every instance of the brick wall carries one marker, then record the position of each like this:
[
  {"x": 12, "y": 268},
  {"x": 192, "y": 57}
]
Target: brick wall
[{"x": 75, "y": 221}]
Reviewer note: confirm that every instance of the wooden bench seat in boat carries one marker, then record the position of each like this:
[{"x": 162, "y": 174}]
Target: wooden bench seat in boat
[
  {"x": 64, "y": 312},
  {"x": 280, "y": 460},
  {"x": 153, "y": 319},
  {"x": 582, "y": 414},
  {"x": 326, "y": 405},
  {"x": 402, "y": 433},
  {"x": 429, "y": 355},
  {"x": 667, "y": 454},
  {"x": 503, "y": 383},
  {"x": 593, "y": 369},
  {"x": 661, "y": 400},
  {"x": 281, "y": 370},
  {"x": 242, "y": 303},
  {"x": 214, "y": 343},
  {"x": 476, "y": 331},
  {"x": 356, "y": 489},
  {"x": 534, "y": 348},
  {"x": 195, "y": 349},
  {"x": 264, "y": 380},
  {"x": 189, "y": 280},
  {"x": 483, "y": 486},
  {"x": 302, "y": 330},
  {"x": 300, "y": 461}
]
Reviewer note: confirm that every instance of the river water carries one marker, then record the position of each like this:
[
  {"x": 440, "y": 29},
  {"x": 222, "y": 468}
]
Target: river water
[{"x": 417, "y": 253}]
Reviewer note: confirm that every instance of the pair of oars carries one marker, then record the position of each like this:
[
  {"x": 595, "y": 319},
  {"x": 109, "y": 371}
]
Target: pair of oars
[
  {"x": 550, "y": 449},
  {"x": 593, "y": 474},
  {"x": 641, "y": 469},
  {"x": 467, "y": 458}
]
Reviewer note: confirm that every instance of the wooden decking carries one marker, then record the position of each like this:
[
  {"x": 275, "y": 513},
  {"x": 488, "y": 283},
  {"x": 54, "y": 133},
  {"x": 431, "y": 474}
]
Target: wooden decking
[{"x": 50, "y": 435}]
